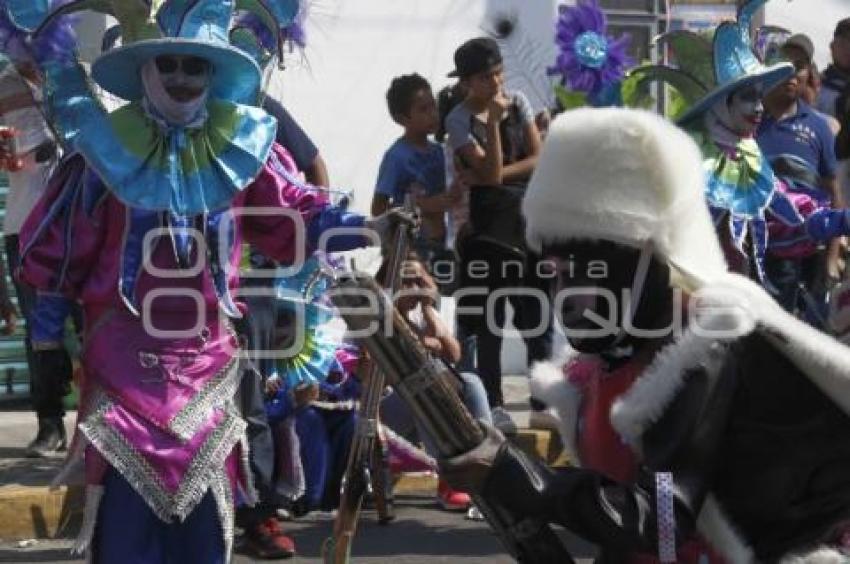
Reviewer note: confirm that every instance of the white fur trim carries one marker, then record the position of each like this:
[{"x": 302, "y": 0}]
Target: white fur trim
[
  {"x": 627, "y": 176},
  {"x": 719, "y": 314},
  {"x": 819, "y": 556},
  {"x": 549, "y": 385},
  {"x": 715, "y": 528}
]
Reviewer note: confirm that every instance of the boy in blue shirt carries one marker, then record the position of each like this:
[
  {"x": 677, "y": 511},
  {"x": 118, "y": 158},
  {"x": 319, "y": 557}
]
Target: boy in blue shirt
[{"x": 414, "y": 164}]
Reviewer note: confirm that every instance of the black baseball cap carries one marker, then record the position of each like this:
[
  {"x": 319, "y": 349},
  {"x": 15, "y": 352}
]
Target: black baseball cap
[
  {"x": 842, "y": 29},
  {"x": 476, "y": 55}
]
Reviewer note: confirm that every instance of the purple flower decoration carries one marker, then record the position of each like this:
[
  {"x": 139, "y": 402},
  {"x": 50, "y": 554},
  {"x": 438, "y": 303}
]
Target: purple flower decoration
[{"x": 589, "y": 60}]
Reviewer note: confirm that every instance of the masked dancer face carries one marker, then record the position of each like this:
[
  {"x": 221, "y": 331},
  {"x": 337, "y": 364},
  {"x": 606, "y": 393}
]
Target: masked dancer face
[
  {"x": 744, "y": 110},
  {"x": 595, "y": 292},
  {"x": 177, "y": 86}
]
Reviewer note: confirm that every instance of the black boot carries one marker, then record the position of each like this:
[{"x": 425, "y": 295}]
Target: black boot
[{"x": 50, "y": 438}]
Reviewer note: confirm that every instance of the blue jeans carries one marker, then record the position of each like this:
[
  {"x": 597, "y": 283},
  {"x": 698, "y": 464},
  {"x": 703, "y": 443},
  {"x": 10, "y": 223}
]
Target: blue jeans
[
  {"x": 396, "y": 414},
  {"x": 325, "y": 437}
]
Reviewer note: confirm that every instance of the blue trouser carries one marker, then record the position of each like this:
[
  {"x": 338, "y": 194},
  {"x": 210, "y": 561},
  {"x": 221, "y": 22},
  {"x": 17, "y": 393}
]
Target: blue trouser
[
  {"x": 397, "y": 415},
  {"x": 325, "y": 438},
  {"x": 128, "y": 532}
]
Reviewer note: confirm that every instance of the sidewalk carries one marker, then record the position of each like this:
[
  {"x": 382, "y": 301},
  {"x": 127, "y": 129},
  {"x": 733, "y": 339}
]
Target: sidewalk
[{"x": 29, "y": 509}]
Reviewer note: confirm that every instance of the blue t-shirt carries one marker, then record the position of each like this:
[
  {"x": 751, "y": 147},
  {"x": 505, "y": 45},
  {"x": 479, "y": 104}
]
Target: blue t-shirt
[
  {"x": 806, "y": 134},
  {"x": 291, "y": 136},
  {"x": 405, "y": 165}
]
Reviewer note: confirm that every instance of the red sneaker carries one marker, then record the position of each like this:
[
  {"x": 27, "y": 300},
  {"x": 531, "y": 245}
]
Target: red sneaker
[
  {"x": 452, "y": 500},
  {"x": 266, "y": 541}
]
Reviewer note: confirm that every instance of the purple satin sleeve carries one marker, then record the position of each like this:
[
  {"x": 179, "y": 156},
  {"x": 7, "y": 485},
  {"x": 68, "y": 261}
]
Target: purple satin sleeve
[
  {"x": 47, "y": 320},
  {"x": 825, "y": 224},
  {"x": 276, "y": 213},
  {"x": 61, "y": 240}
]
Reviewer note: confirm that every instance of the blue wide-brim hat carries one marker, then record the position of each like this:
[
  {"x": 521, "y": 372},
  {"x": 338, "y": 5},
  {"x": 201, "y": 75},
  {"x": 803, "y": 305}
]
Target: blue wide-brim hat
[
  {"x": 235, "y": 76},
  {"x": 769, "y": 77},
  {"x": 199, "y": 28},
  {"x": 735, "y": 65}
]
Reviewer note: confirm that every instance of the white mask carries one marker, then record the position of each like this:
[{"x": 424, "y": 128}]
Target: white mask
[
  {"x": 157, "y": 85},
  {"x": 739, "y": 115}
]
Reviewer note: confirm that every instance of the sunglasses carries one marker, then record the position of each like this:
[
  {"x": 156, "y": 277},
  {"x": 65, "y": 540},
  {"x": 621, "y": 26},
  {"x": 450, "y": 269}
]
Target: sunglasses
[{"x": 192, "y": 66}]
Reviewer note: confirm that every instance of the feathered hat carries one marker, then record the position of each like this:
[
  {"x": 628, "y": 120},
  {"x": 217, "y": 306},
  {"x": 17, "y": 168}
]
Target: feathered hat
[
  {"x": 646, "y": 189},
  {"x": 18, "y": 22},
  {"x": 710, "y": 71},
  {"x": 201, "y": 28}
]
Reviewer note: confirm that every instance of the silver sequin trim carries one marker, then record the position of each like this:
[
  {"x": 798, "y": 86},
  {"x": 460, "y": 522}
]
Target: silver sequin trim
[
  {"x": 141, "y": 476},
  {"x": 249, "y": 490},
  {"x": 220, "y": 389},
  {"x": 223, "y": 495}
]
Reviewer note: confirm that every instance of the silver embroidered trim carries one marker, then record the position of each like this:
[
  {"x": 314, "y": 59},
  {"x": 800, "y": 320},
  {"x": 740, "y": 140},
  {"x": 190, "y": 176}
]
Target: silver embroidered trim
[
  {"x": 223, "y": 496},
  {"x": 209, "y": 460},
  {"x": 249, "y": 489},
  {"x": 82, "y": 544},
  {"x": 133, "y": 467},
  {"x": 216, "y": 392},
  {"x": 142, "y": 477}
]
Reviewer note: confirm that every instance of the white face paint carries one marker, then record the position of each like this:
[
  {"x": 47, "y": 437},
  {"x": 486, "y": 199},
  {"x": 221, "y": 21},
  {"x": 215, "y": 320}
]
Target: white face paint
[
  {"x": 177, "y": 86},
  {"x": 744, "y": 111}
]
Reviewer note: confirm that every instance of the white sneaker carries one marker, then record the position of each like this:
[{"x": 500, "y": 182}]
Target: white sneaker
[{"x": 474, "y": 514}]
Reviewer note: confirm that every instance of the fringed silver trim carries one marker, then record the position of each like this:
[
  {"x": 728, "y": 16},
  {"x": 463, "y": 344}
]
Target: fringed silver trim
[
  {"x": 94, "y": 495},
  {"x": 207, "y": 462},
  {"x": 223, "y": 496},
  {"x": 134, "y": 468},
  {"x": 145, "y": 481},
  {"x": 249, "y": 489},
  {"x": 220, "y": 389}
]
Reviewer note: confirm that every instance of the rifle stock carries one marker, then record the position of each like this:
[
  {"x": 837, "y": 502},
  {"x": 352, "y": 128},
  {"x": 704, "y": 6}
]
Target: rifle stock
[
  {"x": 365, "y": 470},
  {"x": 428, "y": 385}
]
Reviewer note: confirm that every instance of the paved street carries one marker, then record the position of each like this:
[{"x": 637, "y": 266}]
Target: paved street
[{"x": 422, "y": 534}]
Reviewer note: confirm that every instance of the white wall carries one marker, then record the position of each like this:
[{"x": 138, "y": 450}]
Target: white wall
[{"x": 355, "y": 49}]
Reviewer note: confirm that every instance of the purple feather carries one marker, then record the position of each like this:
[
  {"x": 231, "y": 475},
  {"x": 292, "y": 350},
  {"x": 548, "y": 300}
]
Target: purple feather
[
  {"x": 56, "y": 42},
  {"x": 253, "y": 23},
  {"x": 267, "y": 37},
  {"x": 577, "y": 22}
]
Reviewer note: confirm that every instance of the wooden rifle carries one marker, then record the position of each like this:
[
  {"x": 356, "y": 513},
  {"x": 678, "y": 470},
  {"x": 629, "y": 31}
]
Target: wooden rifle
[
  {"x": 365, "y": 472},
  {"x": 428, "y": 385}
]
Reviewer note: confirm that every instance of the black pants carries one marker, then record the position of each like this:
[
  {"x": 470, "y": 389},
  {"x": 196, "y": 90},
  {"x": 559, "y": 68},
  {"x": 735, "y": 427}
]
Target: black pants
[
  {"x": 47, "y": 386},
  {"x": 787, "y": 276},
  {"x": 532, "y": 314}
]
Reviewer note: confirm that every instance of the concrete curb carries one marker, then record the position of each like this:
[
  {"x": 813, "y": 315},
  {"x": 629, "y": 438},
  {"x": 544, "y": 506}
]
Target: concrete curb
[{"x": 30, "y": 512}]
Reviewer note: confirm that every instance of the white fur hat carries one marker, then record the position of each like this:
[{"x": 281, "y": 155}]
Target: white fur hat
[{"x": 627, "y": 176}]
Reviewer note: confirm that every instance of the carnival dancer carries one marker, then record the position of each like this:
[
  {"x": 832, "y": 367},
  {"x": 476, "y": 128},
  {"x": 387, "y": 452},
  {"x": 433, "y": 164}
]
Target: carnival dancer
[
  {"x": 754, "y": 211},
  {"x": 740, "y": 418},
  {"x": 143, "y": 225}
]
